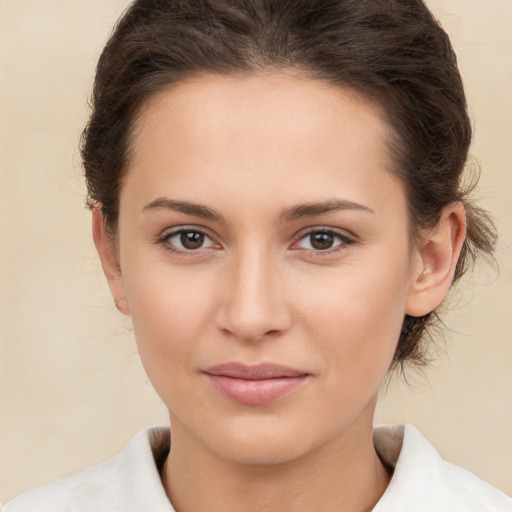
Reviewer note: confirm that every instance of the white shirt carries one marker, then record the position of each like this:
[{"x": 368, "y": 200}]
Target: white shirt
[{"x": 130, "y": 482}]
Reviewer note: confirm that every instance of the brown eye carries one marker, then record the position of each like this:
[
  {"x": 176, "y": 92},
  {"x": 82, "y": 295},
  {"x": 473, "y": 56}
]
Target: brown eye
[
  {"x": 192, "y": 240},
  {"x": 322, "y": 241},
  {"x": 187, "y": 240}
]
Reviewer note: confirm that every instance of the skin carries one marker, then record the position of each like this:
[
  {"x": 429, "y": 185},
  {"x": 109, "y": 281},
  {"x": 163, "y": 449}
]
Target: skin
[{"x": 252, "y": 149}]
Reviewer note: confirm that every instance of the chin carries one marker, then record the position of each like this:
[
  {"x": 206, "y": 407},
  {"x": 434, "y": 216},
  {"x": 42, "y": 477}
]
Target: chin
[
  {"x": 261, "y": 441},
  {"x": 262, "y": 451}
]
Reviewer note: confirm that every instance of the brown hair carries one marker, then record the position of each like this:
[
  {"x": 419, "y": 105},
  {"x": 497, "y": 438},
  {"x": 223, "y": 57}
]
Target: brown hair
[{"x": 392, "y": 52}]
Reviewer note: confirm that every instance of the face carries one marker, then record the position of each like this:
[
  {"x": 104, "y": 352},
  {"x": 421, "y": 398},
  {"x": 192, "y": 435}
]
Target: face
[{"x": 265, "y": 261}]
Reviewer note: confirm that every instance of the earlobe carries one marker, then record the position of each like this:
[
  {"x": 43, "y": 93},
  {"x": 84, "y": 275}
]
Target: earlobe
[
  {"x": 438, "y": 253},
  {"x": 109, "y": 260}
]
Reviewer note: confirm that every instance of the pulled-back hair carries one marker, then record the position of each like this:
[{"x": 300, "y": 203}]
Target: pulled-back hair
[{"x": 391, "y": 52}]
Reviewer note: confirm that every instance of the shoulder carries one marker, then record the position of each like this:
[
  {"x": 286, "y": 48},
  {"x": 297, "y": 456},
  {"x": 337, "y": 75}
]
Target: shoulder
[
  {"x": 424, "y": 482},
  {"x": 93, "y": 485},
  {"x": 129, "y": 481}
]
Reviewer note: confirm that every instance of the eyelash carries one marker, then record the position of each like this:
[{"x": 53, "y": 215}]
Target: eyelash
[
  {"x": 164, "y": 241},
  {"x": 344, "y": 241}
]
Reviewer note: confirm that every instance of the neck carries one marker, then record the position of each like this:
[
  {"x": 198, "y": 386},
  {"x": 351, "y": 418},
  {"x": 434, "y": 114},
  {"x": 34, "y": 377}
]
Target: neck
[{"x": 344, "y": 474}]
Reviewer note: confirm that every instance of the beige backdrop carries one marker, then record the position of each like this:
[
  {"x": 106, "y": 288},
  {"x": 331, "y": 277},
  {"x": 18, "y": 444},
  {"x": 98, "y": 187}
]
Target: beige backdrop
[{"x": 72, "y": 391}]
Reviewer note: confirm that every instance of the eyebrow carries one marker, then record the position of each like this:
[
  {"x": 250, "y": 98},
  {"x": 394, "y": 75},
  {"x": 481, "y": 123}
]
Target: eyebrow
[
  {"x": 289, "y": 214},
  {"x": 185, "y": 207},
  {"x": 312, "y": 209}
]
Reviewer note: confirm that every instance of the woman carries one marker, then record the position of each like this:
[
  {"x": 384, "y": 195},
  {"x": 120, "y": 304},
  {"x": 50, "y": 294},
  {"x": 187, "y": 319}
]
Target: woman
[{"x": 277, "y": 204}]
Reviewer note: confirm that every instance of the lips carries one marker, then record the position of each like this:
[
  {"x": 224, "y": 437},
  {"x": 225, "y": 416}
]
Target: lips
[{"x": 255, "y": 385}]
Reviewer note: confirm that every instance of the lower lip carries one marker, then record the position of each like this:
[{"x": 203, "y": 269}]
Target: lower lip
[{"x": 255, "y": 392}]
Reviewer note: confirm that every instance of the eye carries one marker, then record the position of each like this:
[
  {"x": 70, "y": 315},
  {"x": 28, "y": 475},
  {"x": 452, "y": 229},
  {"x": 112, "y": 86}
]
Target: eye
[
  {"x": 187, "y": 240},
  {"x": 323, "y": 240}
]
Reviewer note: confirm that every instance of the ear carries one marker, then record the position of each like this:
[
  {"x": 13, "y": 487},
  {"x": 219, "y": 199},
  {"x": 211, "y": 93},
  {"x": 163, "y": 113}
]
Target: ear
[
  {"x": 435, "y": 261},
  {"x": 109, "y": 260}
]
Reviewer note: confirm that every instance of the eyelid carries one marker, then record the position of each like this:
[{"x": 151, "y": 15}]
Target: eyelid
[
  {"x": 164, "y": 237},
  {"x": 346, "y": 238}
]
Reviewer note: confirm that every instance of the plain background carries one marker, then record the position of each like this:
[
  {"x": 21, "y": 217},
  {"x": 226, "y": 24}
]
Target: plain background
[{"x": 72, "y": 391}]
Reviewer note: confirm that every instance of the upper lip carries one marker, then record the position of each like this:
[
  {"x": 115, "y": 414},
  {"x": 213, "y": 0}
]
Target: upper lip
[{"x": 254, "y": 372}]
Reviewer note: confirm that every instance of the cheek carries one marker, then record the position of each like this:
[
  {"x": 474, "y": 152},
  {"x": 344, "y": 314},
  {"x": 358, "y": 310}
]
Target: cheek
[
  {"x": 356, "y": 316},
  {"x": 171, "y": 311}
]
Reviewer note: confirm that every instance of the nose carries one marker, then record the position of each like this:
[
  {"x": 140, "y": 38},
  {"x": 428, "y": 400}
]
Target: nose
[{"x": 254, "y": 305}]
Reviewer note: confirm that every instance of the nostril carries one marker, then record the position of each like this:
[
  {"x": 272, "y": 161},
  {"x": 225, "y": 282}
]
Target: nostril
[{"x": 250, "y": 336}]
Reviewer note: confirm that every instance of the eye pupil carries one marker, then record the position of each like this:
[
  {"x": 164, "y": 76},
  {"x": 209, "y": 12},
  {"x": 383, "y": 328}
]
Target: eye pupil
[
  {"x": 322, "y": 241},
  {"x": 192, "y": 239}
]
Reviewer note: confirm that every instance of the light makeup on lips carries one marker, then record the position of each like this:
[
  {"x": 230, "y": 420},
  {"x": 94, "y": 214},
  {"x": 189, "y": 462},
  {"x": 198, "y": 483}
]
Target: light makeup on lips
[{"x": 255, "y": 385}]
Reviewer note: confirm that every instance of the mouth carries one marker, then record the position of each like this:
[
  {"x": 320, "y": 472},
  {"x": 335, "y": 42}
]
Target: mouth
[{"x": 255, "y": 385}]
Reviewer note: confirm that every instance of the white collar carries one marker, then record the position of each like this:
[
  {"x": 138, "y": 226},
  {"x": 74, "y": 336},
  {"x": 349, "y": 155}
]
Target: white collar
[
  {"x": 130, "y": 482},
  {"x": 424, "y": 482}
]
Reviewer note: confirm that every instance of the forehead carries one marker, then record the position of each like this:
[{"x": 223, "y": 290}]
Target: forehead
[
  {"x": 285, "y": 107},
  {"x": 275, "y": 135}
]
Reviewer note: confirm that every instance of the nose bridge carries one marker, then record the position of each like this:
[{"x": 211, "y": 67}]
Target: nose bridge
[{"x": 255, "y": 305}]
